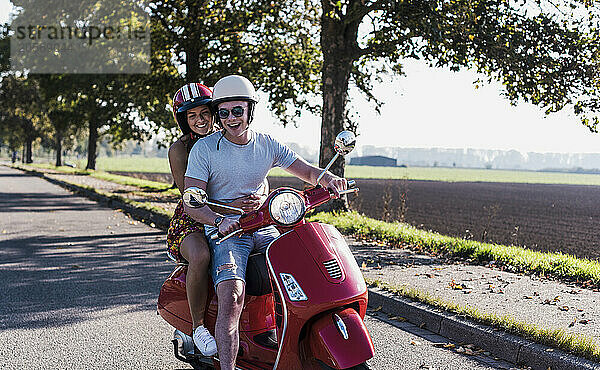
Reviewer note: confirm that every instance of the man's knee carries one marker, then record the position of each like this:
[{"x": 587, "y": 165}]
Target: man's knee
[{"x": 230, "y": 293}]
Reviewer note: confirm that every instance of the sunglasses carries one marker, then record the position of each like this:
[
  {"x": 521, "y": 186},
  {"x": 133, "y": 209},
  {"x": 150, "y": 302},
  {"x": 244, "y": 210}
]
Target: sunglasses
[{"x": 235, "y": 111}]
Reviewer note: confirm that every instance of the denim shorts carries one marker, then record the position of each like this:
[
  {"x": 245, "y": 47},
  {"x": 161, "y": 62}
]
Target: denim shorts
[{"x": 229, "y": 259}]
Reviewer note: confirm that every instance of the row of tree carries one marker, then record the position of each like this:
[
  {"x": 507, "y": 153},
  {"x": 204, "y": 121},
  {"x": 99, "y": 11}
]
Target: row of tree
[{"x": 306, "y": 54}]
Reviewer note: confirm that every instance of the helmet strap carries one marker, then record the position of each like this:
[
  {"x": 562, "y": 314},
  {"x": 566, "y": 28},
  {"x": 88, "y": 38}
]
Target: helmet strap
[{"x": 250, "y": 112}]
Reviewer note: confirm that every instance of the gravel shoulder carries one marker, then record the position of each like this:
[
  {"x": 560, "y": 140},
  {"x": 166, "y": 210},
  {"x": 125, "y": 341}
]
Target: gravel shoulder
[{"x": 535, "y": 300}]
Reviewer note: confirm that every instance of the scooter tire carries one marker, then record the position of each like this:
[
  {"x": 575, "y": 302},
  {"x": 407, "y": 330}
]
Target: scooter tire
[{"x": 363, "y": 366}]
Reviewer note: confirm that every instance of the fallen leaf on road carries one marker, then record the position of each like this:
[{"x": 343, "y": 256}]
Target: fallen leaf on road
[
  {"x": 152, "y": 224},
  {"x": 449, "y": 345},
  {"x": 572, "y": 323},
  {"x": 377, "y": 309},
  {"x": 584, "y": 321},
  {"x": 454, "y": 285},
  {"x": 398, "y": 318},
  {"x": 564, "y": 308},
  {"x": 364, "y": 265},
  {"x": 4, "y": 231},
  {"x": 422, "y": 325},
  {"x": 415, "y": 343}
]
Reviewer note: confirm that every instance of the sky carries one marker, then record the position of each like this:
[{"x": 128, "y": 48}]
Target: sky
[{"x": 437, "y": 108}]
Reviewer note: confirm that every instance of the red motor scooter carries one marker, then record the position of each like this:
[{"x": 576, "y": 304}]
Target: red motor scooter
[{"x": 305, "y": 296}]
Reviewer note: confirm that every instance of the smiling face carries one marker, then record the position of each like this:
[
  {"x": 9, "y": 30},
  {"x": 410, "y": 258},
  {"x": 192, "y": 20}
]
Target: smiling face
[
  {"x": 200, "y": 120},
  {"x": 236, "y": 128}
]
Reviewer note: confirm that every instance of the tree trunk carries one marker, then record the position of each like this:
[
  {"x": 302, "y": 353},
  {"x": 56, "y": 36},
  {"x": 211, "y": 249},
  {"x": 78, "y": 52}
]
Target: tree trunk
[
  {"x": 58, "y": 148},
  {"x": 28, "y": 154},
  {"x": 92, "y": 145},
  {"x": 192, "y": 52},
  {"x": 192, "y": 64},
  {"x": 338, "y": 44}
]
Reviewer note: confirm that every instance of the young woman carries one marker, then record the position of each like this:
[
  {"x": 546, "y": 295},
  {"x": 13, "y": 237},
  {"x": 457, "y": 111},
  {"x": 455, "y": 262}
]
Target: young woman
[{"x": 185, "y": 238}]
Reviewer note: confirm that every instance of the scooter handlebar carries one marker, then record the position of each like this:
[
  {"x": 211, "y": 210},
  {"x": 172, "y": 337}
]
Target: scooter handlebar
[
  {"x": 351, "y": 188},
  {"x": 216, "y": 236}
]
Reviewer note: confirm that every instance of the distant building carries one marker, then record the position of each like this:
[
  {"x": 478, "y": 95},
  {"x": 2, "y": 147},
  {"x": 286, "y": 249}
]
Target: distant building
[{"x": 373, "y": 160}]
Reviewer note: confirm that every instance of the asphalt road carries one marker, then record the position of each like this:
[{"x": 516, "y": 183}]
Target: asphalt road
[{"x": 79, "y": 282}]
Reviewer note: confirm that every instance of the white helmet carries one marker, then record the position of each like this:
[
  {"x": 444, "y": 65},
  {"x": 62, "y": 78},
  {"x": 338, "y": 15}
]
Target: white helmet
[{"x": 234, "y": 87}]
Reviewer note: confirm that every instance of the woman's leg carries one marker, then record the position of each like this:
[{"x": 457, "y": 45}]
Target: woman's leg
[{"x": 195, "y": 250}]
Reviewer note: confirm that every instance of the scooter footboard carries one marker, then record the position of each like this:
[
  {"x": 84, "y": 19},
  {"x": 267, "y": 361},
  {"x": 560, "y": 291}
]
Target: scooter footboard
[{"x": 340, "y": 339}]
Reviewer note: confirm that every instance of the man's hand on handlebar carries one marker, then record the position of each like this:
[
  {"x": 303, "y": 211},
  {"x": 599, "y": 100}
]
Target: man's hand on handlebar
[
  {"x": 228, "y": 226},
  {"x": 337, "y": 184}
]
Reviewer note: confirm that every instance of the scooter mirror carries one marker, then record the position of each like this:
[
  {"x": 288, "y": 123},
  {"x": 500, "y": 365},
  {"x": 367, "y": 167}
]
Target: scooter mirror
[
  {"x": 344, "y": 142},
  {"x": 195, "y": 197}
]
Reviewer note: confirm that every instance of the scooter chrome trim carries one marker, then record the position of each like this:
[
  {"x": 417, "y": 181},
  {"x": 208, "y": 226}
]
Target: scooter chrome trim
[
  {"x": 341, "y": 326},
  {"x": 280, "y": 345}
]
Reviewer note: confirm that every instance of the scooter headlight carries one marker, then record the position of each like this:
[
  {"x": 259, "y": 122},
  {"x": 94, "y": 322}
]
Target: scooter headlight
[
  {"x": 287, "y": 207},
  {"x": 292, "y": 288}
]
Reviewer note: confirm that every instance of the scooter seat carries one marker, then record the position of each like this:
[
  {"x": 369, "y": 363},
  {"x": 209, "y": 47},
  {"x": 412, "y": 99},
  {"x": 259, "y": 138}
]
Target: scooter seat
[{"x": 257, "y": 275}]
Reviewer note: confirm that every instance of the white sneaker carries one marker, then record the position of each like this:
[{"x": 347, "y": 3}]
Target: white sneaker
[{"x": 205, "y": 341}]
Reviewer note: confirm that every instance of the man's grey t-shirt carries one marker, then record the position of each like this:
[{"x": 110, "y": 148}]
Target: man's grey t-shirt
[{"x": 235, "y": 170}]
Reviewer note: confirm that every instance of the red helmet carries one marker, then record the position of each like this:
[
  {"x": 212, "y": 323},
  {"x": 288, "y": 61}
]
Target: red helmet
[{"x": 189, "y": 96}]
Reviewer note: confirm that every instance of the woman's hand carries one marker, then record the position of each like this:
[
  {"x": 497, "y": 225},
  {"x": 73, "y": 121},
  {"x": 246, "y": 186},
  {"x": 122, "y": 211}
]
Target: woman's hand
[
  {"x": 228, "y": 226},
  {"x": 249, "y": 203}
]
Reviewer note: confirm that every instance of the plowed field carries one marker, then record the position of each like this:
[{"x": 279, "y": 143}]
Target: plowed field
[{"x": 558, "y": 218}]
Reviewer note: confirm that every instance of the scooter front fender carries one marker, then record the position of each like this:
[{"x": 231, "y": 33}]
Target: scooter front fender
[{"x": 340, "y": 339}]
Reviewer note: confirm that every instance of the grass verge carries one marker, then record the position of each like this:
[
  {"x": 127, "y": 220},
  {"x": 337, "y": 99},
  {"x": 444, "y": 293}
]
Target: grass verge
[
  {"x": 118, "y": 179},
  {"x": 577, "y": 344},
  {"x": 515, "y": 258}
]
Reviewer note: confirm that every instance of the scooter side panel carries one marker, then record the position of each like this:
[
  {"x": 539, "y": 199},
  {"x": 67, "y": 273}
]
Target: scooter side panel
[
  {"x": 172, "y": 301},
  {"x": 258, "y": 313}
]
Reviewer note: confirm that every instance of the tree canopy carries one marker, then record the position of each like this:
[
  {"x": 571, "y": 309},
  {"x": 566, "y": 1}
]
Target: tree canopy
[{"x": 544, "y": 52}]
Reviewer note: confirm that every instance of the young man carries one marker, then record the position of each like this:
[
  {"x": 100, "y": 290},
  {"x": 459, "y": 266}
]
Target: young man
[{"x": 228, "y": 165}]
